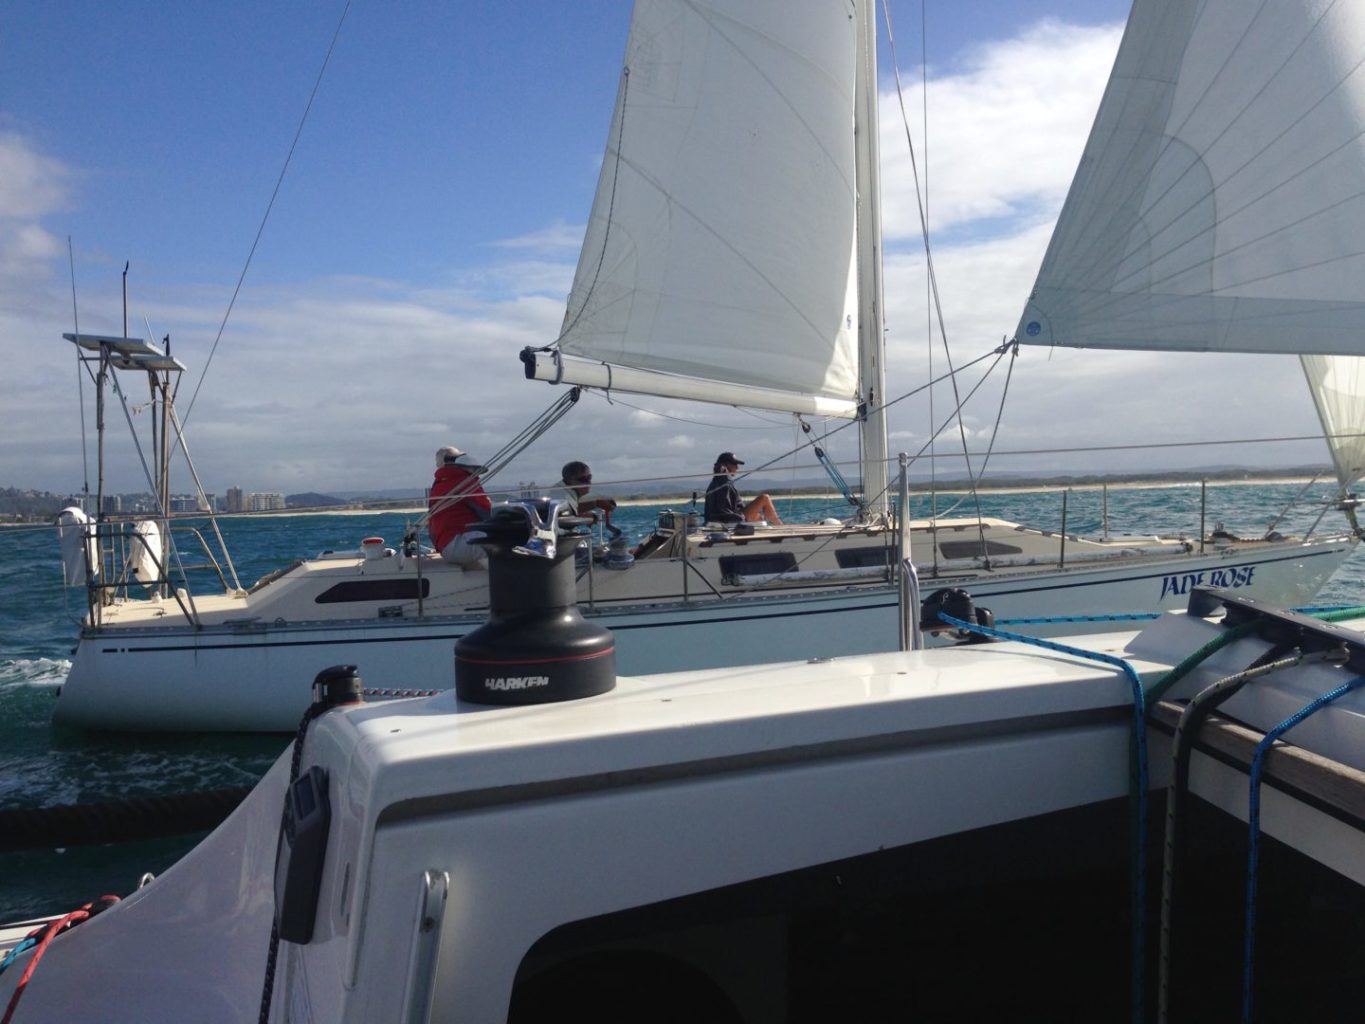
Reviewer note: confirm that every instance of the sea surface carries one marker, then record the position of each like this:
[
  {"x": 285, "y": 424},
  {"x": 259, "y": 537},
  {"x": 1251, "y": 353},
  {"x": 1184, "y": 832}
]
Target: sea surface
[{"x": 42, "y": 767}]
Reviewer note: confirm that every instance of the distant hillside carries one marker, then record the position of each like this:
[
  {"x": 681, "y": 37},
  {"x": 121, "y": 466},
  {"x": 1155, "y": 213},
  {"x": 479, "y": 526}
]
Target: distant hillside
[
  {"x": 311, "y": 499},
  {"x": 391, "y": 494},
  {"x": 16, "y": 503}
]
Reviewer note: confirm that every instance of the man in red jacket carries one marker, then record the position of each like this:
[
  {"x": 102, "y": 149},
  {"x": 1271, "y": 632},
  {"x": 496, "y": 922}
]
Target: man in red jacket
[{"x": 457, "y": 503}]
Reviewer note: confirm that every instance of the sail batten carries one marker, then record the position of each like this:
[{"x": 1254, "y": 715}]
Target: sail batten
[
  {"x": 721, "y": 244},
  {"x": 1220, "y": 203}
]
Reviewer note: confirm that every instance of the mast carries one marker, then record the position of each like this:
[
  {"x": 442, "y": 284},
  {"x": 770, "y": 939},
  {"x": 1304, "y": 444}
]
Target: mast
[{"x": 871, "y": 333}]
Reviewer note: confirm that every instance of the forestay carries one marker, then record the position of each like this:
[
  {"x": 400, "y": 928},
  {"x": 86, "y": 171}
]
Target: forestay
[
  {"x": 1220, "y": 202},
  {"x": 719, "y": 262}
]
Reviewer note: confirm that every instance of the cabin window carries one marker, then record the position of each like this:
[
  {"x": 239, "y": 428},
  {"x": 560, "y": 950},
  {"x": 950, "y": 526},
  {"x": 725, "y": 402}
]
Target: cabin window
[
  {"x": 374, "y": 590},
  {"x": 734, "y": 566},
  {"x": 861, "y": 558},
  {"x": 972, "y": 548}
]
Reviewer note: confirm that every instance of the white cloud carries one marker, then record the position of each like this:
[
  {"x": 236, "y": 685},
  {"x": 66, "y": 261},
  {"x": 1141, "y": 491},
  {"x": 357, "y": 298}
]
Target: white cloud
[
  {"x": 557, "y": 238},
  {"x": 1005, "y": 132},
  {"x": 32, "y": 184}
]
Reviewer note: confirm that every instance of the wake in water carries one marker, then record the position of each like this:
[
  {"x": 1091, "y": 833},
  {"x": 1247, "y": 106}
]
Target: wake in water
[{"x": 43, "y": 672}]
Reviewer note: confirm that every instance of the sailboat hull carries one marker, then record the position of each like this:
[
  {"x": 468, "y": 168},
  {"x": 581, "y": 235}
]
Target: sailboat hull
[{"x": 256, "y": 676}]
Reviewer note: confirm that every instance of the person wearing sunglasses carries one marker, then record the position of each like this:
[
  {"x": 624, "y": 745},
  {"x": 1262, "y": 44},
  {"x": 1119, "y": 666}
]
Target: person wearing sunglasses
[{"x": 576, "y": 480}]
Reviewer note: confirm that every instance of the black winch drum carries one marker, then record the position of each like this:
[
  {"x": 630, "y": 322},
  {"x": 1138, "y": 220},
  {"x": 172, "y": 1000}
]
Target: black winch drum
[{"x": 536, "y": 647}]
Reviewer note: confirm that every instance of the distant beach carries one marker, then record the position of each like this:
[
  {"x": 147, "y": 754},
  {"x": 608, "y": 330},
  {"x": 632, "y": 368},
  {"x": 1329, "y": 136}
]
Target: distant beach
[{"x": 917, "y": 488}]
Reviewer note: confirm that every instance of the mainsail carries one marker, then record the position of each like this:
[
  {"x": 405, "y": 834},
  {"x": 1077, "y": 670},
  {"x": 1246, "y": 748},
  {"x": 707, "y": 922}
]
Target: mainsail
[
  {"x": 720, "y": 259},
  {"x": 1220, "y": 202}
]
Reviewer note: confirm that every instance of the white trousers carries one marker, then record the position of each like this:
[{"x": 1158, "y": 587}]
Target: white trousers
[{"x": 462, "y": 552}]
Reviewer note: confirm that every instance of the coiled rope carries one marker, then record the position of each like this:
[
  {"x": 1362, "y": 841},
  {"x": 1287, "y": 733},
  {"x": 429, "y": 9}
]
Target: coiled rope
[{"x": 39, "y": 939}]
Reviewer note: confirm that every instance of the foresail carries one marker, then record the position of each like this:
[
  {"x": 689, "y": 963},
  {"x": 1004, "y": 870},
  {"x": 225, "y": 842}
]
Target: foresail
[
  {"x": 1220, "y": 202},
  {"x": 719, "y": 261},
  {"x": 1338, "y": 387}
]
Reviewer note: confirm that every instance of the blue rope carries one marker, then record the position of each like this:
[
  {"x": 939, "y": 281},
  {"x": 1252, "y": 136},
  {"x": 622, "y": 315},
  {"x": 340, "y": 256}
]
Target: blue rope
[
  {"x": 1134, "y": 617},
  {"x": 13, "y": 954},
  {"x": 1137, "y": 794},
  {"x": 1254, "y": 830},
  {"x": 1321, "y": 609}
]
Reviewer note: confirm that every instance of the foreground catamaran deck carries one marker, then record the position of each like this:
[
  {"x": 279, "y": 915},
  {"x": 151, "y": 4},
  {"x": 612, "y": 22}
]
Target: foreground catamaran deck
[{"x": 719, "y": 837}]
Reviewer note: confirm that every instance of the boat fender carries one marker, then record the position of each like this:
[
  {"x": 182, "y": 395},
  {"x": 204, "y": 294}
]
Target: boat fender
[
  {"x": 76, "y": 536},
  {"x": 146, "y": 552}
]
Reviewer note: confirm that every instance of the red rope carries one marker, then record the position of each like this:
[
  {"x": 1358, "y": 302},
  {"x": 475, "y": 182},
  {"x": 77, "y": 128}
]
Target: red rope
[{"x": 49, "y": 932}]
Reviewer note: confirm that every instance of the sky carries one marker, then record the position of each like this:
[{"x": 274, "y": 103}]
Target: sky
[{"x": 429, "y": 223}]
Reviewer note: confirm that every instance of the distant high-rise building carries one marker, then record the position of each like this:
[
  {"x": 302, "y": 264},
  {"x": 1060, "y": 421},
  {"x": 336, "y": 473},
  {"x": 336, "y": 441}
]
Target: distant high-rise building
[
  {"x": 113, "y": 504},
  {"x": 266, "y": 502},
  {"x": 234, "y": 500}
]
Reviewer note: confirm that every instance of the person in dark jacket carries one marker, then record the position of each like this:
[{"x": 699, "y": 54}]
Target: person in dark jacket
[
  {"x": 723, "y": 503},
  {"x": 457, "y": 503}
]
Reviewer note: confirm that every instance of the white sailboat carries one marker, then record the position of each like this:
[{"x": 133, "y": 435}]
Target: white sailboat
[
  {"x": 733, "y": 254},
  {"x": 926, "y": 833}
]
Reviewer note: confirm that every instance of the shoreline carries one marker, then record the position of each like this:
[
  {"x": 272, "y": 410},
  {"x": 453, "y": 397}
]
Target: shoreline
[
  {"x": 686, "y": 499},
  {"x": 417, "y": 507}
]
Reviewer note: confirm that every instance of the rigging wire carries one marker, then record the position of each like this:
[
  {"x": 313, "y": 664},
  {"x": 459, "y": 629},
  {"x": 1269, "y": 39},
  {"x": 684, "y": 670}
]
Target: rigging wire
[
  {"x": 80, "y": 388},
  {"x": 999, "y": 354},
  {"x": 921, "y": 201},
  {"x": 523, "y": 440},
  {"x": 241, "y": 278},
  {"x": 990, "y": 448},
  {"x": 853, "y": 422},
  {"x": 928, "y": 297}
]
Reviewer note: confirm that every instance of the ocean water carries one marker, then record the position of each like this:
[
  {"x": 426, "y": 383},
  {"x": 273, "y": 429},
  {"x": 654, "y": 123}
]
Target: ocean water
[{"x": 41, "y": 766}]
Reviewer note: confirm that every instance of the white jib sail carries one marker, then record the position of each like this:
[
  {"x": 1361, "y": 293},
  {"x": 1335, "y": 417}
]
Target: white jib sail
[
  {"x": 1338, "y": 387},
  {"x": 719, "y": 257},
  {"x": 1220, "y": 202}
]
